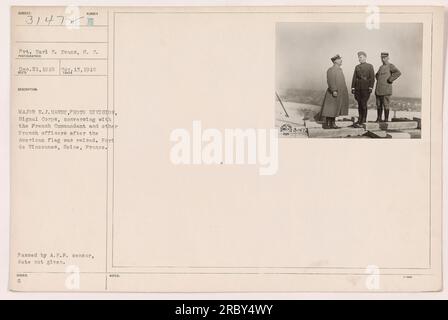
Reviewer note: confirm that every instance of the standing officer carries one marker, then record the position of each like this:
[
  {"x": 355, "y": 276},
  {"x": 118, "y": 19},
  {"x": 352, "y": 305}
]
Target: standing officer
[
  {"x": 362, "y": 85},
  {"x": 385, "y": 76},
  {"x": 336, "y": 97}
]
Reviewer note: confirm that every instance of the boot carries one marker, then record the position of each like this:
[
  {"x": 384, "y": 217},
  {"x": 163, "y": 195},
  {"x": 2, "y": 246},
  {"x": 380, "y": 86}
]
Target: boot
[
  {"x": 386, "y": 115},
  {"x": 360, "y": 117},
  {"x": 364, "y": 116},
  {"x": 333, "y": 124},
  {"x": 380, "y": 114},
  {"x": 326, "y": 125},
  {"x": 360, "y": 120}
]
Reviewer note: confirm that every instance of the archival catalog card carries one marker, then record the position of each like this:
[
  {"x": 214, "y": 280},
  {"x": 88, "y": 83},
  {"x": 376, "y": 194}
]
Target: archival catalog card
[{"x": 226, "y": 149}]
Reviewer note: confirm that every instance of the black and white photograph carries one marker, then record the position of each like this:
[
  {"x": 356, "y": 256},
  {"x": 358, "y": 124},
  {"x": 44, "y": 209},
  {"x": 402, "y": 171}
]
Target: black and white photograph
[{"x": 346, "y": 80}]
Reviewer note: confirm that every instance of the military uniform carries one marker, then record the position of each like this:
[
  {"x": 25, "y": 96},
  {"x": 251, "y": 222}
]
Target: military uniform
[
  {"x": 335, "y": 106},
  {"x": 336, "y": 96},
  {"x": 362, "y": 85},
  {"x": 385, "y": 76}
]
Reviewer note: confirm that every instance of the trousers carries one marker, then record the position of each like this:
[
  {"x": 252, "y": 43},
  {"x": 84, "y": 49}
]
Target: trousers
[{"x": 362, "y": 96}]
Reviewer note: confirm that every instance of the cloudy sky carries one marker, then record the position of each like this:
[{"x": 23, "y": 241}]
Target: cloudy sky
[{"x": 303, "y": 52}]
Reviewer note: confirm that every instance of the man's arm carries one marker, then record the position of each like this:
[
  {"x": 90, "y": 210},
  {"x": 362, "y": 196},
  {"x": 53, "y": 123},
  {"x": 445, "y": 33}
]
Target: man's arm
[
  {"x": 354, "y": 80},
  {"x": 371, "y": 77},
  {"x": 331, "y": 81},
  {"x": 394, "y": 73}
]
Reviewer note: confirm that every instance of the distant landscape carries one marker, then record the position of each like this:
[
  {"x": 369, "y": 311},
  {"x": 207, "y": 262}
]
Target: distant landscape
[{"x": 315, "y": 97}]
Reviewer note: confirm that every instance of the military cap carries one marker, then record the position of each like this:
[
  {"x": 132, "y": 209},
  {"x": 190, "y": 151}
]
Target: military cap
[
  {"x": 362, "y": 53},
  {"x": 333, "y": 59},
  {"x": 384, "y": 54}
]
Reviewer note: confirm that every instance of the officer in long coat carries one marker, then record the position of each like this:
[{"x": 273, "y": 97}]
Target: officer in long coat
[
  {"x": 385, "y": 76},
  {"x": 362, "y": 85},
  {"x": 336, "y": 97}
]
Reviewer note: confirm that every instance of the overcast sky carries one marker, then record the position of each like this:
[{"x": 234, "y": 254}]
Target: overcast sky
[{"x": 303, "y": 53}]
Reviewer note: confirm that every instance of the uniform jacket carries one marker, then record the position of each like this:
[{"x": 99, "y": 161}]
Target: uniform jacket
[
  {"x": 386, "y": 74},
  {"x": 335, "y": 106},
  {"x": 363, "y": 77}
]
